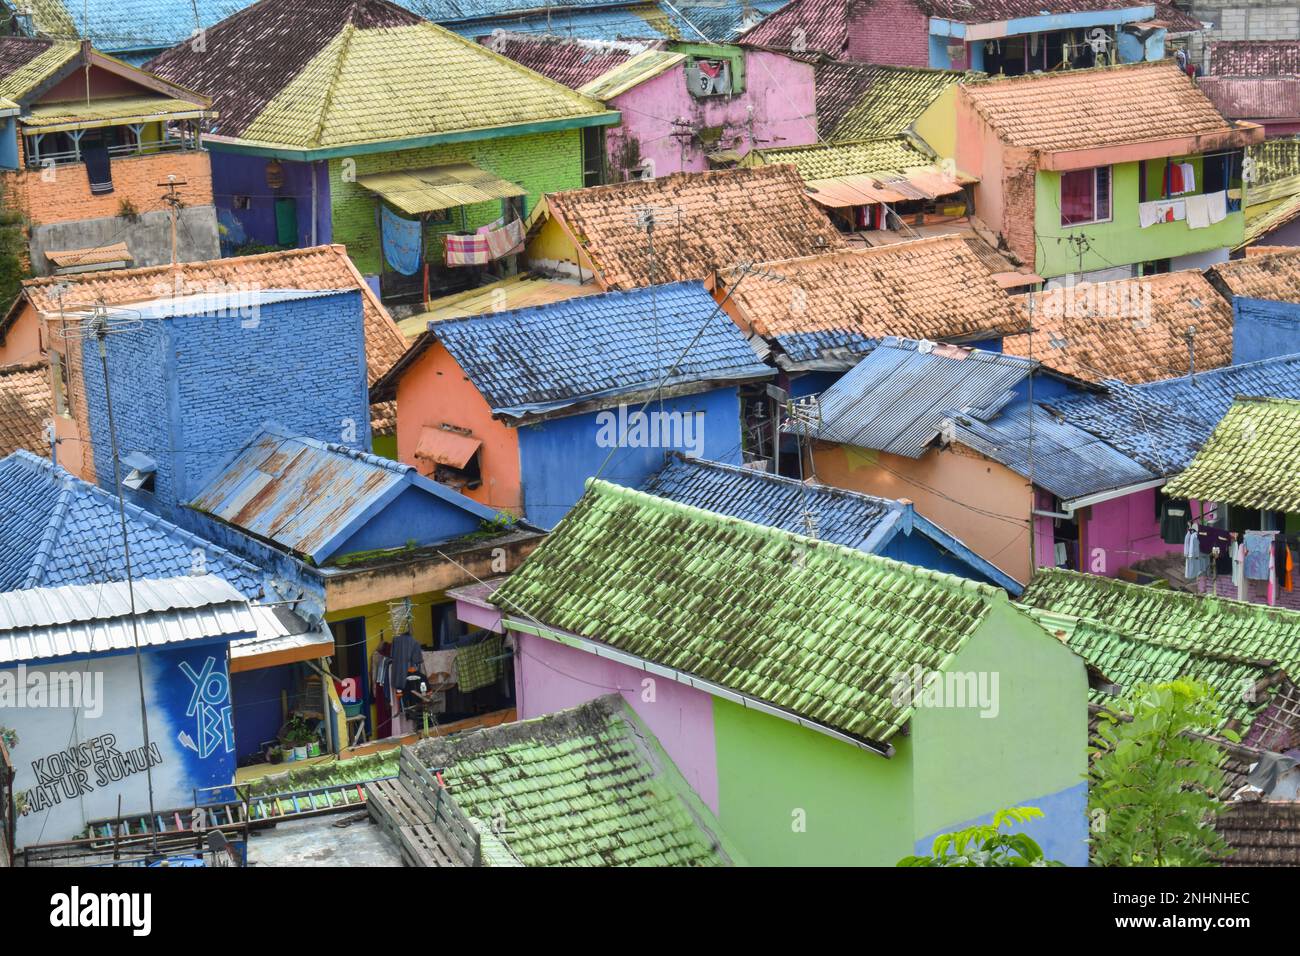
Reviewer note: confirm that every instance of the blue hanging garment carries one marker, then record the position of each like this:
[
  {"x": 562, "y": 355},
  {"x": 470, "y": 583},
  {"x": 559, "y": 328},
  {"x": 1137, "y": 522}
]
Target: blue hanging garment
[{"x": 402, "y": 242}]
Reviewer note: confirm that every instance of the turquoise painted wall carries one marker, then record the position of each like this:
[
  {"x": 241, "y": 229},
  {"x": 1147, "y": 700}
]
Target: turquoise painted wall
[
  {"x": 539, "y": 162},
  {"x": 1032, "y": 750},
  {"x": 856, "y": 806},
  {"x": 1121, "y": 241}
]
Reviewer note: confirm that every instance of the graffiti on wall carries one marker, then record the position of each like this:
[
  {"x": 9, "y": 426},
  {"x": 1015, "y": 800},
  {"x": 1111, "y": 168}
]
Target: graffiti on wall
[{"x": 209, "y": 708}]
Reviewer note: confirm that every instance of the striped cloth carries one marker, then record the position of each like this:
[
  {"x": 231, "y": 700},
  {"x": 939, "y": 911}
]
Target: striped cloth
[{"x": 479, "y": 665}]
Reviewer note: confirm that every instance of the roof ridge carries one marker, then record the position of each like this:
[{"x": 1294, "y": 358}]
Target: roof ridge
[
  {"x": 488, "y": 318},
  {"x": 948, "y": 581},
  {"x": 53, "y": 527},
  {"x": 681, "y": 461},
  {"x": 1229, "y": 605},
  {"x": 344, "y": 37},
  {"x": 1221, "y": 372},
  {"x": 890, "y": 248}
]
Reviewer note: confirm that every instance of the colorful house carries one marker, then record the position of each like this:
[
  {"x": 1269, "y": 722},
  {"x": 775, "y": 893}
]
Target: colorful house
[
  {"x": 85, "y": 144},
  {"x": 696, "y": 224},
  {"x": 82, "y": 752},
  {"x": 25, "y": 328},
  {"x": 307, "y": 152},
  {"x": 59, "y": 532},
  {"x": 857, "y": 101},
  {"x": 1133, "y": 330},
  {"x": 518, "y": 409},
  {"x": 1104, "y": 173},
  {"x": 954, "y": 430},
  {"x": 587, "y": 786},
  {"x": 788, "y": 717},
  {"x": 1265, "y": 311},
  {"x": 892, "y": 529},
  {"x": 989, "y": 36},
  {"x": 315, "y": 511},
  {"x": 1244, "y": 471}
]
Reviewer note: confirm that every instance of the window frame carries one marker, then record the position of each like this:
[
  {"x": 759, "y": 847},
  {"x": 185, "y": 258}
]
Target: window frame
[{"x": 1110, "y": 196}]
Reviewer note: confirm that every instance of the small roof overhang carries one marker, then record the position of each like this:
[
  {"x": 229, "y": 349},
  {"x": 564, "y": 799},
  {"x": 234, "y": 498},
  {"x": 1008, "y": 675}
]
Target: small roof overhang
[
  {"x": 123, "y": 111},
  {"x": 282, "y": 638},
  {"x": 417, "y": 191},
  {"x": 892, "y": 187},
  {"x": 439, "y": 446}
]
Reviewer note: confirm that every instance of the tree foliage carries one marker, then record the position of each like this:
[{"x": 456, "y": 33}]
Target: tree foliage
[
  {"x": 986, "y": 845},
  {"x": 1153, "y": 783}
]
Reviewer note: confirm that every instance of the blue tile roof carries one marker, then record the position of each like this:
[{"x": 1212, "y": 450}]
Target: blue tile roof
[
  {"x": 598, "y": 19},
  {"x": 849, "y": 518},
  {"x": 311, "y": 497},
  {"x": 1162, "y": 424},
  {"x": 1067, "y": 461},
  {"x": 898, "y": 397},
  {"x": 56, "y": 529},
  {"x": 115, "y": 26},
  {"x": 541, "y": 360}
]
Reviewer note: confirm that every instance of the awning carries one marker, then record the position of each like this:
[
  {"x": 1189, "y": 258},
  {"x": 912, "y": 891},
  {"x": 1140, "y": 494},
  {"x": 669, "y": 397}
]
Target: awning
[
  {"x": 76, "y": 259},
  {"x": 282, "y": 638},
  {"x": 120, "y": 111},
  {"x": 441, "y": 447},
  {"x": 417, "y": 191},
  {"x": 882, "y": 187}
]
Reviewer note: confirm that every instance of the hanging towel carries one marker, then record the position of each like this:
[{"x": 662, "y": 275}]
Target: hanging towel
[
  {"x": 1218, "y": 203},
  {"x": 1189, "y": 177},
  {"x": 401, "y": 239},
  {"x": 1198, "y": 212},
  {"x": 98, "y": 168},
  {"x": 1259, "y": 551},
  {"x": 479, "y": 665},
  {"x": 467, "y": 250},
  {"x": 1148, "y": 214}
]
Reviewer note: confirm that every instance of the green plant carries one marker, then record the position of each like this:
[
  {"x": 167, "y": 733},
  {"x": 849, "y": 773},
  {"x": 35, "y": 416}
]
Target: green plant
[
  {"x": 13, "y": 253},
  {"x": 127, "y": 210},
  {"x": 1154, "y": 781},
  {"x": 298, "y": 731},
  {"x": 986, "y": 845}
]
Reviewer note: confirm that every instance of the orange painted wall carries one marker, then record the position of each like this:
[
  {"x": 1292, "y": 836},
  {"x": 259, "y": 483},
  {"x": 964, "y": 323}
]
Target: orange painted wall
[
  {"x": 67, "y": 198},
  {"x": 945, "y": 485},
  {"x": 22, "y": 340},
  {"x": 435, "y": 391}
]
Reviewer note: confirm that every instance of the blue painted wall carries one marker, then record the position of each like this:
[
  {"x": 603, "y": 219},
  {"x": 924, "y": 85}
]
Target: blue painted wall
[
  {"x": 557, "y": 456},
  {"x": 189, "y": 391},
  {"x": 413, "y": 517},
  {"x": 1062, "y": 831},
  {"x": 9, "y": 144},
  {"x": 1262, "y": 328},
  {"x": 923, "y": 552},
  {"x": 256, "y": 702},
  {"x": 235, "y": 175}
]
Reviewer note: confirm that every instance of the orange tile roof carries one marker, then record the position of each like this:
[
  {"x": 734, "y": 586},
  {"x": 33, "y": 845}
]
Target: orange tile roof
[
  {"x": 1275, "y": 276},
  {"x": 24, "y": 407},
  {"x": 704, "y": 222},
  {"x": 1133, "y": 330},
  {"x": 1105, "y": 106},
  {"x": 320, "y": 267},
  {"x": 935, "y": 288}
]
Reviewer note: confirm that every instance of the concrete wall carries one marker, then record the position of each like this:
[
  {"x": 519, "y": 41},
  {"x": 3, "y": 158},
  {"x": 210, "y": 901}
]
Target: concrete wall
[
  {"x": 74, "y": 763},
  {"x": 558, "y": 455},
  {"x": 148, "y": 237},
  {"x": 662, "y": 121},
  {"x": 540, "y": 162},
  {"x": 1243, "y": 20},
  {"x": 946, "y": 486},
  {"x": 1262, "y": 328},
  {"x": 190, "y": 391}
]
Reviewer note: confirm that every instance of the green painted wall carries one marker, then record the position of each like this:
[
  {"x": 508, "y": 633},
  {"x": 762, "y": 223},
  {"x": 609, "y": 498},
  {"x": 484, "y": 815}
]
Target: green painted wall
[
  {"x": 857, "y": 806},
  {"x": 966, "y": 765},
  {"x": 541, "y": 163},
  {"x": 1121, "y": 241}
]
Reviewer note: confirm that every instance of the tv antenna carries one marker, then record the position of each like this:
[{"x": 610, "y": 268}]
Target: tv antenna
[{"x": 98, "y": 321}]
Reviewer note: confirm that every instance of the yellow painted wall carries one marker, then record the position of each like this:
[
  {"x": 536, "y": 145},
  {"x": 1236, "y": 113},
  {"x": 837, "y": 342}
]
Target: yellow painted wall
[{"x": 938, "y": 124}]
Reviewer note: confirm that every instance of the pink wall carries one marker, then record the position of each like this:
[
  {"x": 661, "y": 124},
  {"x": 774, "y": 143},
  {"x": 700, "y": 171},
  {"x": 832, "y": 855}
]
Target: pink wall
[
  {"x": 889, "y": 32},
  {"x": 1121, "y": 532},
  {"x": 979, "y": 152},
  {"x": 551, "y": 677},
  {"x": 779, "y": 90}
]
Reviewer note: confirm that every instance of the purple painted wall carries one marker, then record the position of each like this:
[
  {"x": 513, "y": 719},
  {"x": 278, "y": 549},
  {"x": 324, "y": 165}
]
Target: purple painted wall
[
  {"x": 235, "y": 176},
  {"x": 551, "y": 677},
  {"x": 777, "y": 108}
]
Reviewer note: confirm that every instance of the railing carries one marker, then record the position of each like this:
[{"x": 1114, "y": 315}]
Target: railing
[
  {"x": 447, "y": 816},
  {"x": 70, "y": 157}
]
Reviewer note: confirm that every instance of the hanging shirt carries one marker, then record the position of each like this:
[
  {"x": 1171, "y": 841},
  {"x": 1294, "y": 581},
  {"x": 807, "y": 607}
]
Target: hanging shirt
[
  {"x": 1259, "y": 550},
  {"x": 1195, "y": 564},
  {"x": 1173, "y": 522}
]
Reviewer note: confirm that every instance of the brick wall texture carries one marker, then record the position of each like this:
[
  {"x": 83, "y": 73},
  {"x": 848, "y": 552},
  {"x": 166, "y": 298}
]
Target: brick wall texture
[{"x": 890, "y": 32}]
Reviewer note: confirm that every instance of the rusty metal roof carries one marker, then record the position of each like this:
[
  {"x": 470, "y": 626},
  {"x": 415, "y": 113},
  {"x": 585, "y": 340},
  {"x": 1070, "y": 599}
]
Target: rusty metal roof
[{"x": 311, "y": 497}]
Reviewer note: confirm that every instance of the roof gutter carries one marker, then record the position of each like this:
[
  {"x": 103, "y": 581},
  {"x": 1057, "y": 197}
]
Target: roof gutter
[
  {"x": 689, "y": 680},
  {"x": 1074, "y": 504},
  {"x": 233, "y": 144}
]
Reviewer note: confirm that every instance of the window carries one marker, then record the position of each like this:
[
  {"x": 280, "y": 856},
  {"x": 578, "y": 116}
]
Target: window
[
  {"x": 1085, "y": 196},
  {"x": 59, "y": 374},
  {"x": 593, "y": 156}
]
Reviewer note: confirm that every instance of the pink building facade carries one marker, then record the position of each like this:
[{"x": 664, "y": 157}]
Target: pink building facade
[{"x": 669, "y": 126}]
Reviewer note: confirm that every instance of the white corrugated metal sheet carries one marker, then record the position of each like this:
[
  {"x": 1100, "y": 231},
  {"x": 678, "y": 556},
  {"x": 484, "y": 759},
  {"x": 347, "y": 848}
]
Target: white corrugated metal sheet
[
  {"x": 41, "y": 623},
  {"x": 280, "y": 629}
]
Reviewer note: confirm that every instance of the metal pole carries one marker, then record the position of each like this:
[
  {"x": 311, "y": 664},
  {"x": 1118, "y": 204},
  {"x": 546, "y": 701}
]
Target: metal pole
[{"x": 100, "y": 336}]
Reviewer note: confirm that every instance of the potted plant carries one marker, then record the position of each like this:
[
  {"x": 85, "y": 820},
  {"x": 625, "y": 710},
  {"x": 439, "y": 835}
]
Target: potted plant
[
  {"x": 298, "y": 735},
  {"x": 313, "y": 748},
  {"x": 274, "y": 754}
]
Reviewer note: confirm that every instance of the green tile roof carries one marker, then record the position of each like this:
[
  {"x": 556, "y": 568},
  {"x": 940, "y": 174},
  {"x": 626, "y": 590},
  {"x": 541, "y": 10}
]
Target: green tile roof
[
  {"x": 406, "y": 82},
  {"x": 1128, "y": 659},
  {"x": 1177, "y": 619},
  {"x": 644, "y": 66},
  {"x": 831, "y": 160},
  {"x": 895, "y": 100},
  {"x": 819, "y": 631},
  {"x": 1249, "y": 460},
  {"x": 22, "y": 80},
  {"x": 588, "y": 786}
]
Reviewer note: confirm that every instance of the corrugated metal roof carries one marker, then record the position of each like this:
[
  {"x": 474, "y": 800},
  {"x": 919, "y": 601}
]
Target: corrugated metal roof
[
  {"x": 545, "y": 359},
  {"x": 439, "y": 187},
  {"x": 898, "y": 398},
  {"x": 308, "y": 496},
  {"x": 279, "y": 630},
  {"x": 1067, "y": 461},
  {"x": 43, "y": 623}
]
